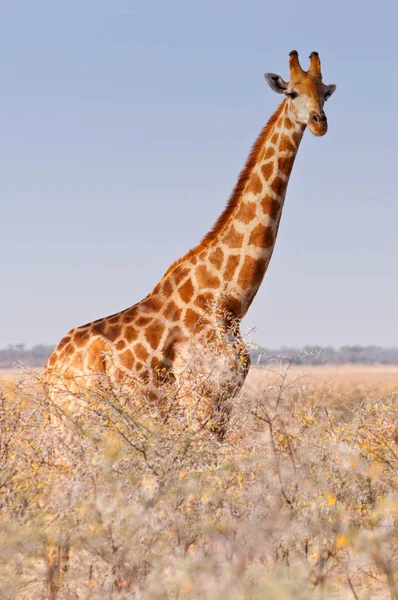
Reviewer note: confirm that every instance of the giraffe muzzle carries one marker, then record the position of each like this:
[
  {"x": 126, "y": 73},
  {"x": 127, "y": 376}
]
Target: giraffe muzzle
[{"x": 318, "y": 123}]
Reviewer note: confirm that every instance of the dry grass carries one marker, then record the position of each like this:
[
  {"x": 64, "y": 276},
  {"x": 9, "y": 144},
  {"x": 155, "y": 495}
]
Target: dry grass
[
  {"x": 298, "y": 502},
  {"x": 381, "y": 376},
  {"x": 373, "y": 377}
]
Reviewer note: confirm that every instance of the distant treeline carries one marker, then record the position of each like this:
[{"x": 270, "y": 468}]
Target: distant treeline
[
  {"x": 309, "y": 355},
  {"x": 326, "y": 355},
  {"x": 36, "y": 356}
]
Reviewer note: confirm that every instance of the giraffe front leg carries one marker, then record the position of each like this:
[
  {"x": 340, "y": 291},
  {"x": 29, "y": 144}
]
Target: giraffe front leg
[
  {"x": 221, "y": 416},
  {"x": 228, "y": 390}
]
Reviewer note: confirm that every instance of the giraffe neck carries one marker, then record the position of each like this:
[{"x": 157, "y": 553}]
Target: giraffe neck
[
  {"x": 245, "y": 234},
  {"x": 231, "y": 260}
]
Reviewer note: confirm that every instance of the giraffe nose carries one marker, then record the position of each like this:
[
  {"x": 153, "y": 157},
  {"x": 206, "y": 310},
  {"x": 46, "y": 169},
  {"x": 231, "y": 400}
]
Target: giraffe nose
[{"x": 318, "y": 118}]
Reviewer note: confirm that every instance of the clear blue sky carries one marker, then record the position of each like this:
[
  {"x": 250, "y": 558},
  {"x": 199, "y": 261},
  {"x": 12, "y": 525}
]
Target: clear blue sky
[{"x": 124, "y": 127}]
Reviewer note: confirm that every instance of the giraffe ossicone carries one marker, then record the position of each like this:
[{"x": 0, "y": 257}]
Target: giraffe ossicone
[{"x": 204, "y": 295}]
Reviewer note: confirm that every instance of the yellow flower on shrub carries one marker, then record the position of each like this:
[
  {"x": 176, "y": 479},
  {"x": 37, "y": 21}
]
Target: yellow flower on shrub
[
  {"x": 341, "y": 541},
  {"x": 330, "y": 499}
]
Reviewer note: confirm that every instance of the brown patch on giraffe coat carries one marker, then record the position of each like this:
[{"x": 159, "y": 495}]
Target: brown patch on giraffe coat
[
  {"x": 285, "y": 164},
  {"x": 233, "y": 239},
  {"x": 206, "y": 279},
  {"x": 151, "y": 304},
  {"x": 232, "y": 265},
  {"x": 186, "y": 291},
  {"x": 98, "y": 327},
  {"x": 81, "y": 337},
  {"x": 246, "y": 212},
  {"x": 113, "y": 319},
  {"x": 183, "y": 271},
  {"x": 120, "y": 345},
  {"x": 286, "y": 144},
  {"x": 270, "y": 207},
  {"x": 275, "y": 138},
  {"x": 180, "y": 274},
  {"x": 139, "y": 366},
  {"x": 53, "y": 359},
  {"x": 255, "y": 185},
  {"x": 66, "y": 351},
  {"x": 127, "y": 358},
  {"x": 234, "y": 306},
  {"x": 193, "y": 319},
  {"x": 128, "y": 316},
  {"x": 172, "y": 312},
  {"x": 141, "y": 352},
  {"x": 153, "y": 333},
  {"x": 131, "y": 334},
  {"x": 216, "y": 258},
  {"x": 208, "y": 336},
  {"x": 204, "y": 300},
  {"x": 296, "y": 137},
  {"x": 288, "y": 123},
  {"x": 156, "y": 363},
  {"x": 82, "y": 342},
  {"x": 65, "y": 341},
  {"x": 278, "y": 186},
  {"x": 268, "y": 153},
  {"x": 166, "y": 289},
  {"x": 114, "y": 332},
  {"x": 262, "y": 237},
  {"x": 252, "y": 272},
  {"x": 267, "y": 170},
  {"x": 143, "y": 321},
  {"x": 78, "y": 333}
]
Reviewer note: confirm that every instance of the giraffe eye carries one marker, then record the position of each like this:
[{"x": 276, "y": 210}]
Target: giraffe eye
[{"x": 292, "y": 94}]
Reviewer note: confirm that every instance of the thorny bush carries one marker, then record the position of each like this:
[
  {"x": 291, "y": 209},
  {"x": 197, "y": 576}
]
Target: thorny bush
[{"x": 296, "y": 502}]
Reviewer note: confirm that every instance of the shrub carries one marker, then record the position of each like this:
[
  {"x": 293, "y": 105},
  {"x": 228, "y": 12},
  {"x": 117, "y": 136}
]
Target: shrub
[{"x": 296, "y": 502}]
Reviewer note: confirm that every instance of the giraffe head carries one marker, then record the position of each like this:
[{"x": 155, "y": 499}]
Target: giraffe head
[{"x": 306, "y": 93}]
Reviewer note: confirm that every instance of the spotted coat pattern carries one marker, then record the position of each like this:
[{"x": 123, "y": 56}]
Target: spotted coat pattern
[{"x": 227, "y": 267}]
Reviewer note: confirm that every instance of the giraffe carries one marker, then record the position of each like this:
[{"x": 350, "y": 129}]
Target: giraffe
[
  {"x": 225, "y": 270},
  {"x": 229, "y": 263}
]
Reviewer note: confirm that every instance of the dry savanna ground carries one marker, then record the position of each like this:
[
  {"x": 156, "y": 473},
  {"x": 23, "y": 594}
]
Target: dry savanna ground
[{"x": 299, "y": 500}]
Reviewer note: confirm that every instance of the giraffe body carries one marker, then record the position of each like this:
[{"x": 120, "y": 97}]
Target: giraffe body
[
  {"x": 204, "y": 295},
  {"x": 201, "y": 293}
]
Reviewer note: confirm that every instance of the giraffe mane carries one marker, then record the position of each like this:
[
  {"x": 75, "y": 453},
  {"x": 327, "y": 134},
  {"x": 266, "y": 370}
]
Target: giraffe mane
[{"x": 233, "y": 201}]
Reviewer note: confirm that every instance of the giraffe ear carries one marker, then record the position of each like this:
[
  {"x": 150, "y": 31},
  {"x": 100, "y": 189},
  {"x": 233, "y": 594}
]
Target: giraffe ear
[
  {"x": 276, "y": 83},
  {"x": 329, "y": 90}
]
